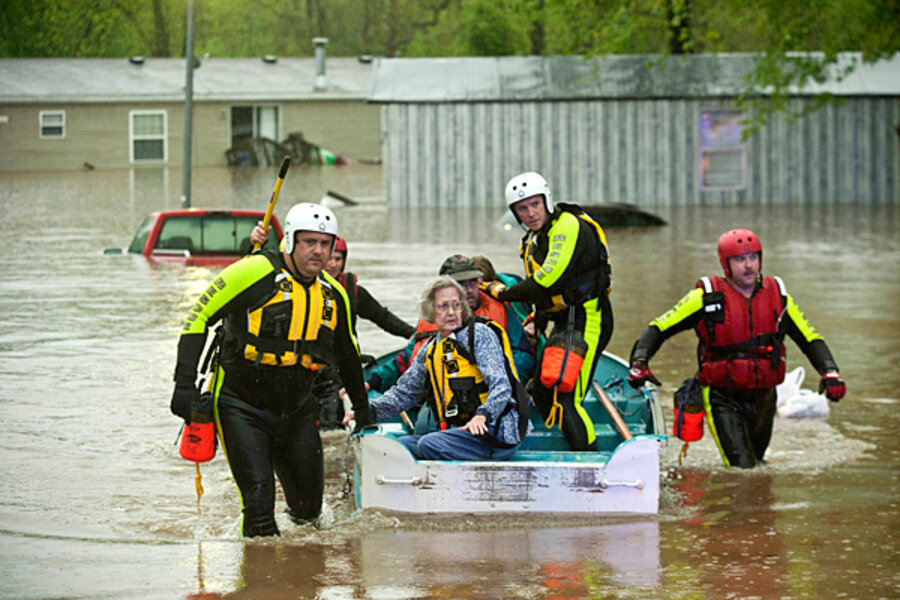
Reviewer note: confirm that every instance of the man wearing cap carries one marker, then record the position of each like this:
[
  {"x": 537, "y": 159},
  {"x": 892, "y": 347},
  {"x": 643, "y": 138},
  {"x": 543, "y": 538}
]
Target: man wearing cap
[{"x": 463, "y": 270}]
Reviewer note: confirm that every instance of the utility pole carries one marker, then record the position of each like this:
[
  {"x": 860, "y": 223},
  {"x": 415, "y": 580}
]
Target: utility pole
[{"x": 188, "y": 108}]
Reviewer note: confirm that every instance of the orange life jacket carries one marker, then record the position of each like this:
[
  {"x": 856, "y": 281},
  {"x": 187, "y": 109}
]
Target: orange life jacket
[
  {"x": 492, "y": 309},
  {"x": 424, "y": 332}
]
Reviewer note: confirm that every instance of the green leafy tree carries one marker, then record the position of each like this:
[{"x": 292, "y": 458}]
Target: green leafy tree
[
  {"x": 825, "y": 28},
  {"x": 798, "y": 41},
  {"x": 488, "y": 30}
]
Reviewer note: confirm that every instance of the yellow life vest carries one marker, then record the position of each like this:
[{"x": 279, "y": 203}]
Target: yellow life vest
[
  {"x": 458, "y": 386},
  {"x": 295, "y": 326}
]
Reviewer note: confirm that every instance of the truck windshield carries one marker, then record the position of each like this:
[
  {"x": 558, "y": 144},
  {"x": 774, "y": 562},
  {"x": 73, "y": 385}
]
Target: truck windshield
[
  {"x": 140, "y": 238},
  {"x": 209, "y": 234}
]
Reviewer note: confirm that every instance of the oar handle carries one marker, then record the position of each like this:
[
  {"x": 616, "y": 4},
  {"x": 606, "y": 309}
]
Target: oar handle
[
  {"x": 613, "y": 412},
  {"x": 285, "y": 163},
  {"x": 348, "y": 406}
]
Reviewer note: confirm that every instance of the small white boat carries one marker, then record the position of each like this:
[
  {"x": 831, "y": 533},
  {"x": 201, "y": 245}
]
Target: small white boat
[{"x": 622, "y": 477}]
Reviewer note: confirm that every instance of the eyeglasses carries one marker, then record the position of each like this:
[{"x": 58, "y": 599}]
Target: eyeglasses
[{"x": 445, "y": 307}]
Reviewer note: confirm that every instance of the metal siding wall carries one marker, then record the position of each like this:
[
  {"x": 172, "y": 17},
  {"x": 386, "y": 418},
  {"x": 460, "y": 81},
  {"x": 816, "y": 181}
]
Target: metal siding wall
[
  {"x": 893, "y": 127},
  {"x": 642, "y": 152}
]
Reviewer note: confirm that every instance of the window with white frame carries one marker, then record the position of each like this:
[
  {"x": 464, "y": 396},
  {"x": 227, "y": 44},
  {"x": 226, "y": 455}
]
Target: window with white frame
[
  {"x": 53, "y": 123},
  {"x": 148, "y": 134},
  {"x": 723, "y": 156}
]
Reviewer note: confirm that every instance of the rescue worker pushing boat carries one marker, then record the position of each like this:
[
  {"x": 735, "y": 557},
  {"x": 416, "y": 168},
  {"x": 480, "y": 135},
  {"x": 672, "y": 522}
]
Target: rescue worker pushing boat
[
  {"x": 740, "y": 321},
  {"x": 568, "y": 280},
  {"x": 284, "y": 318}
]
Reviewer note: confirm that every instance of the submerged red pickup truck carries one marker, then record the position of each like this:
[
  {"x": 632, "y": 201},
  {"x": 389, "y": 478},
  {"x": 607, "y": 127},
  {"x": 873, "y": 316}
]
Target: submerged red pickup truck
[{"x": 199, "y": 237}]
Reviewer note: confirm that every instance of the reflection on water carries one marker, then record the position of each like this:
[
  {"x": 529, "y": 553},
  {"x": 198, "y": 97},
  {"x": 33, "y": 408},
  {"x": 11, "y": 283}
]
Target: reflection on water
[
  {"x": 571, "y": 562},
  {"x": 748, "y": 557},
  {"x": 95, "y": 502}
]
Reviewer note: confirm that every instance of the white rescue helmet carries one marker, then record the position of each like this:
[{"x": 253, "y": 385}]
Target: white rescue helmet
[
  {"x": 525, "y": 185},
  {"x": 307, "y": 216}
]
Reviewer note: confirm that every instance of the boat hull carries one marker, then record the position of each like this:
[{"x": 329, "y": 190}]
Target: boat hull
[
  {"x": 623, "y": 482},
  {"x": 622, "y": 476}
]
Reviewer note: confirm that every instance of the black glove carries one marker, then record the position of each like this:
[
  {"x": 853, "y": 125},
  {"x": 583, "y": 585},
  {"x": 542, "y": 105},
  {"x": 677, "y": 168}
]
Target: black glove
[
  {"x": 184, "y": 398},
  {"x": 832, "y": 386},
  {"x": 362, "y": 417},
  {"x": 640, "y": 373},
  {"x": 492, "y": 288}
]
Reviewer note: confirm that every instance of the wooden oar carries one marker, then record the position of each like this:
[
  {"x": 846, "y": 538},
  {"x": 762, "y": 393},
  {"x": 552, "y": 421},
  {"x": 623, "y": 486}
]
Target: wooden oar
[
  {"x": 284, "y": 167},
  {"x": 613, "y": 412}
]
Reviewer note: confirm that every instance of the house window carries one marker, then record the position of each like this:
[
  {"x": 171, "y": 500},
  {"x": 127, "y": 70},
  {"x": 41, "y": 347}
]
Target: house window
[
  {"x": 256, "y": 121},
  {"x": 723, "y": 156},
  {"x": 148, "y": 135},
  {"x": 53, "y": 123}
]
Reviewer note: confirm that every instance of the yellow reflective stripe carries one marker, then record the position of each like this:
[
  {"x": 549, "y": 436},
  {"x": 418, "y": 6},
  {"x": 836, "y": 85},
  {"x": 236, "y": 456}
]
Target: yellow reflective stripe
[
  {"x": 527, "y": 253},
  {"x": 793, "y": 312},
  {"x": 233, "y": 280},
  {"x": 299, "y": 297},
  {"x": 437, "y": 387},
  {"x": 436, "y": 358},
  {"x": 307, "y": 319},
  {"x": 593, "y": 325},
  {"x": 507, "y": 349},
  {"x": 712, "y": 425},
  {"x": 688, "y": 305},
  {"x": 562, "y": 237}
]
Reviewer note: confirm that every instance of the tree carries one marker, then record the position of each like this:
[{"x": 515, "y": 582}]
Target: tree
[
  {"x": 799, "y": 42},
  {"x": 802, "y": 44}
]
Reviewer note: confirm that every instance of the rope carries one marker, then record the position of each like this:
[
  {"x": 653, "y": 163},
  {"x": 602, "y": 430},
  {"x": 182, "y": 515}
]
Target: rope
[
  {"x": 556, "y": 412},
  {"x": 198, "y": 485},
  {"x": 682, "y": 454}
]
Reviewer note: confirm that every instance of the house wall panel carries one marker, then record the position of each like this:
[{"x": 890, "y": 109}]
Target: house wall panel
[{"x": 643, "y": 152}]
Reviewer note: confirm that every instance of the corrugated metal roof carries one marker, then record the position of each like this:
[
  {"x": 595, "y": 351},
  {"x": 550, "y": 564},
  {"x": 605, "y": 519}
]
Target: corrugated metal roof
[
  {"x": 536, "y": 78},
  {"x": 163, "y": 79}
]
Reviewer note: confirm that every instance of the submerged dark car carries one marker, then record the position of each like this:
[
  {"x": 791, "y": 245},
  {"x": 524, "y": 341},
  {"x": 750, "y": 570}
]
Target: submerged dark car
[{"x": 199, "y": 237}]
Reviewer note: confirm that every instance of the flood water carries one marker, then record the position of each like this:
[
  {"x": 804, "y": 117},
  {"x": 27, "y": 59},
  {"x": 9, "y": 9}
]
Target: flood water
[{"x": 96, "y": 503}]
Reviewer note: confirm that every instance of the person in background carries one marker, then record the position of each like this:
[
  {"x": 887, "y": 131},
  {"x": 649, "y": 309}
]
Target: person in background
[
  {"x": 362, "y": 304},
  {"x": 267, "y": 357},
  {"x": 480, "y": 408},
  {"x": 740, "y": 321},
  {"x": 568, "y": 280},
  {"x": 521, "y": 309}
]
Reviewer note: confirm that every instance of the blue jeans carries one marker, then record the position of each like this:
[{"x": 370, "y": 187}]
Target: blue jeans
[{"x": 453, "y": 444}]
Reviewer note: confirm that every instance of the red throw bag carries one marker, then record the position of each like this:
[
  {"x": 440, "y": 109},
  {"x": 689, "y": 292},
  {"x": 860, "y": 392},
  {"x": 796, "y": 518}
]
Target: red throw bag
[
  {"x": 562, "y": 361},
  {"x": 688, "y": 423},
  {"x": 198, "y": 442}
]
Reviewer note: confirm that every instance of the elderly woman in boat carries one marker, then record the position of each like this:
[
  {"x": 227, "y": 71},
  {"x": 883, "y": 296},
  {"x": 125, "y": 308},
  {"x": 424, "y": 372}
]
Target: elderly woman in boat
[{"x": 474, "y": 395}]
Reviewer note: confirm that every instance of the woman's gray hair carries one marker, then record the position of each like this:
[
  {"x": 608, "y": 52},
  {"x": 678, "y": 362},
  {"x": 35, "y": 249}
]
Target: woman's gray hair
[{"x": 426, "y": 302}]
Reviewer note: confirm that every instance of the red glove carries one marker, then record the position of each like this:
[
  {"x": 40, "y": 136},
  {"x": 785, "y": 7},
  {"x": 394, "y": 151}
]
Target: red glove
[
  {"x": 832, "y": 386},
  {"x": 639, "y": 374}
]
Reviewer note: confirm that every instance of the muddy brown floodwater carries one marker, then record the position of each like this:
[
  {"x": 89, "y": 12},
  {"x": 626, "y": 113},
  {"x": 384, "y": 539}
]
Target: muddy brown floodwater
[{"x": 95, "y": 502}]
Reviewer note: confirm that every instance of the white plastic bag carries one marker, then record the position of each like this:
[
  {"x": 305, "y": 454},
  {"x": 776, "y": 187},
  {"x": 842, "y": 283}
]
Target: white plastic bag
[{"x": 794, "y": 401}]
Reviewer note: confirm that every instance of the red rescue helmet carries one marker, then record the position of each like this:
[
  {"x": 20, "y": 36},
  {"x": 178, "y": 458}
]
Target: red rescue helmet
[
  {"x": 341, "y": 245},
  {"x": 736, "y": 242}
]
